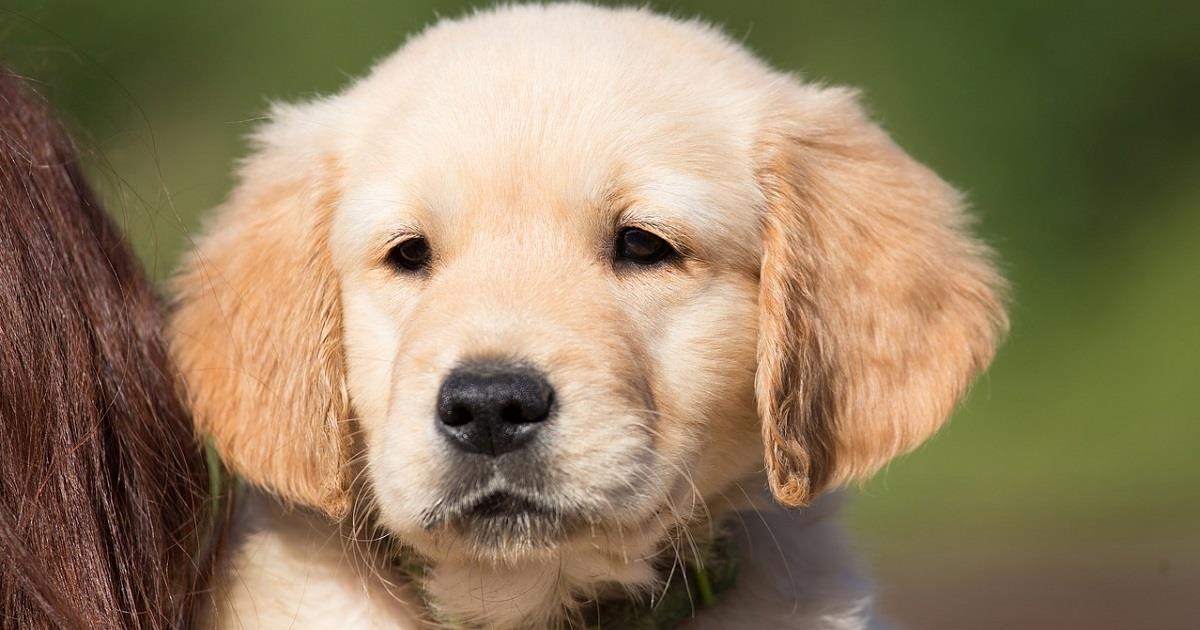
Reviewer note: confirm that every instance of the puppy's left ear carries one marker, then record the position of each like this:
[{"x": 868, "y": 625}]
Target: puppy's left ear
[{"x": 877, "y": 307}]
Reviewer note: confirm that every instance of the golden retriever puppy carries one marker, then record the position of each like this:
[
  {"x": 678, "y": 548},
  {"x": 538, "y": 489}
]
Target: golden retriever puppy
[{"x": 545, "y": 298}]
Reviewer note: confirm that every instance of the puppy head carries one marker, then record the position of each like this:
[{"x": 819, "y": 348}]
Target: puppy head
[{"x": 568, "y": 273}]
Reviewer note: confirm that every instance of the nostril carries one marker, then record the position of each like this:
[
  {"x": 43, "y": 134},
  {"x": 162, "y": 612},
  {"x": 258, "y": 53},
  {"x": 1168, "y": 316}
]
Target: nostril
[
  {"x": 535, "y": 409},
  {"x": 458, "y": 416},
  {"x": 512, "y": 413}
]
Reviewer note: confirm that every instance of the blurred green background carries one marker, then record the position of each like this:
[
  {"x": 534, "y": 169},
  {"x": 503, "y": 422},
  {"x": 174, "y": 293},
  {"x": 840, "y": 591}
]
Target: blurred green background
[{"x": 1066, "y": 492}]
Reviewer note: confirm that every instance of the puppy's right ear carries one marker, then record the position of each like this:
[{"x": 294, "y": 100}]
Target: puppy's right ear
[{"x": 257, "y": 326}]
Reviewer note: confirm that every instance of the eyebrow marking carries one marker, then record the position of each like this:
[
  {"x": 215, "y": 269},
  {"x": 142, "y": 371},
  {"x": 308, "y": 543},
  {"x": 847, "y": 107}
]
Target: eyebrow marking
[{"x": 675, "y": 206}]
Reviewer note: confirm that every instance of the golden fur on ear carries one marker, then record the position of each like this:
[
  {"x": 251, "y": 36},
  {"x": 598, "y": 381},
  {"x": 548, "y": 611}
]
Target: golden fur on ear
[
  {"x": 257, "y": 329},
  {"x": 877, "y": 307}
]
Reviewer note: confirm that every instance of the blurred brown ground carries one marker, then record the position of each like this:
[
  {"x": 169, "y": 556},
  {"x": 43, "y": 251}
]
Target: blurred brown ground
[{"x": 1146, "y": 585}]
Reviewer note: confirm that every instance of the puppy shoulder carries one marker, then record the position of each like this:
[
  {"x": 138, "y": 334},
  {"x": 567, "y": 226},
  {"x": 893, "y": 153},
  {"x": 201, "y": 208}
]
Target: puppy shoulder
[{"x": 289, "y": 569}]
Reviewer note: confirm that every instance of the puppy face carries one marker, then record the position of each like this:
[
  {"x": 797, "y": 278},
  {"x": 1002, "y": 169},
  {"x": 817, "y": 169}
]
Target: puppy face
[
  {"x": 551, "y": 279},
  {"x": 602, "y": 266}
]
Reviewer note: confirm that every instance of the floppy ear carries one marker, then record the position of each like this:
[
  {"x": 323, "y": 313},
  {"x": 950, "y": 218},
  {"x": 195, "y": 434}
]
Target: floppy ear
[
  {"x": 257, "y": 329},
  {"x": 877, "y": 307}
]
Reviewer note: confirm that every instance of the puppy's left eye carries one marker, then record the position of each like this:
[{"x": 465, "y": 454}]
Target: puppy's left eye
[
  {"x": 411, "y": 255},
  {"x": 641, "y": 247}
]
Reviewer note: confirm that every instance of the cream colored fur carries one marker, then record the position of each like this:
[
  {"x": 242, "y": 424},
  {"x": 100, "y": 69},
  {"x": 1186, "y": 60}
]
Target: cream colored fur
[{"x": 828, "y": 309}]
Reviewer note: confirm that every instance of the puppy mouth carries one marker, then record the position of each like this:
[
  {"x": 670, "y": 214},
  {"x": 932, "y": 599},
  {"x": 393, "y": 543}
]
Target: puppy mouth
[
  {"x": 505, "y": 505},
  {"x": 502, "y": 520},
  {"x": 508, "y": 509}
]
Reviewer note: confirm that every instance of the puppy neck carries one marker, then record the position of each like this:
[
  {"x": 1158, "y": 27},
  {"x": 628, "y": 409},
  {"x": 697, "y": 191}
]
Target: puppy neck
[{"x": 657, "y": 577}]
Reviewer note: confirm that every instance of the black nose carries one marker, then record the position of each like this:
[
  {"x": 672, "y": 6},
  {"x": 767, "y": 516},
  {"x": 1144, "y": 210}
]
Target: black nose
[{"x": 493, "y": 408}]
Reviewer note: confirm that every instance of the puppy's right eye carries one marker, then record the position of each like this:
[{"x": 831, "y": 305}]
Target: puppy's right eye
[{"x": 410, "y": 255}]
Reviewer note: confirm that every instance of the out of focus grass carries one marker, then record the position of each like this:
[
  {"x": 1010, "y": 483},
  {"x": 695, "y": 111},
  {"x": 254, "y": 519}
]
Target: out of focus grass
[{"x": 1074, "y": 127}]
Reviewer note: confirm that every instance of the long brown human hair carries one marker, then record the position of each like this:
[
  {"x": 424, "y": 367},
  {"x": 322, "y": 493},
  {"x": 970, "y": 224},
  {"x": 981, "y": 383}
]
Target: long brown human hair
[{"x": 105, "y": 502}]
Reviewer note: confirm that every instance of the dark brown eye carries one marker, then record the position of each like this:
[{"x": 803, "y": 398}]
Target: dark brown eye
[
  {"x": 410, "y": 255},
  {"x": 640, "y": 247}
]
